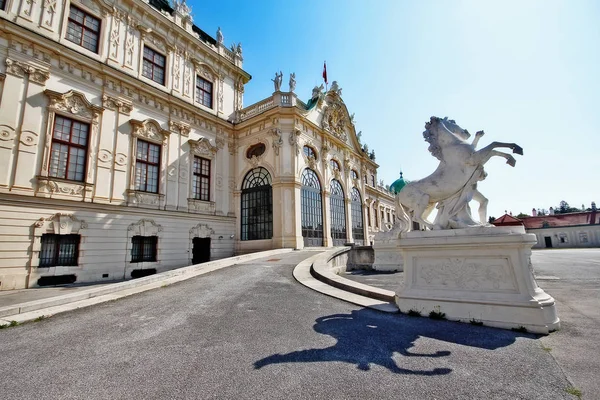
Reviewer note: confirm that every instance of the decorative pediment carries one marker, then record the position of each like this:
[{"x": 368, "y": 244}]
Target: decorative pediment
[
  {"x": 145, "y": 227},
  {"x": 201, "y": 230},
  {"x": 74, "y": 103},
  {"x": 335, "y": 116},
  {"x": 149, "y": 130},
  {"x": 202, "y": 147},
  {"x": 205, "y": 71},
  {"x": 60, "y": 224}
]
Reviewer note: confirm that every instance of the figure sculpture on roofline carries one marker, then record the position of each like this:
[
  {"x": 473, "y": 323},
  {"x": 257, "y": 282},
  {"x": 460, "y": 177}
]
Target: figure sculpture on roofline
[
  {"x": 277, "y": 81},
  {"x": 453, "y": 184}
]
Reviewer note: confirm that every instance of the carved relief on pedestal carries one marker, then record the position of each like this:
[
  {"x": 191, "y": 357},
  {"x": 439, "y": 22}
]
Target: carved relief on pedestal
[
  {"x": 474, "y": 274},
  {"x": 141, "y": 199}
]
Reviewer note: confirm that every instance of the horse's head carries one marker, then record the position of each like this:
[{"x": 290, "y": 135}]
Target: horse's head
[
  {"x": 453, "y": 127},
  {"x": 439, "y": 135}
]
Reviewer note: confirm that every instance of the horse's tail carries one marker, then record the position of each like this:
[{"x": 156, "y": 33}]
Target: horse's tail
[{"x": 403, "y": 219}]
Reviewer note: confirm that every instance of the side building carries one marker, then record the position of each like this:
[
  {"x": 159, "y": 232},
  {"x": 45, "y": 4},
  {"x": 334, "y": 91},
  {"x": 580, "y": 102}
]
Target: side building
[{"x": 125, "y": 149}]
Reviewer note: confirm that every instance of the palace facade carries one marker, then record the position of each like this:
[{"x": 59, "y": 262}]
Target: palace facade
[{"x": 125, "y": 149}]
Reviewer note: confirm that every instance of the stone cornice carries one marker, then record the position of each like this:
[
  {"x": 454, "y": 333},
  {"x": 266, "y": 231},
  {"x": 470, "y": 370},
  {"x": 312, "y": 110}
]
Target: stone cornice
[{"x": 101, "y": 70}]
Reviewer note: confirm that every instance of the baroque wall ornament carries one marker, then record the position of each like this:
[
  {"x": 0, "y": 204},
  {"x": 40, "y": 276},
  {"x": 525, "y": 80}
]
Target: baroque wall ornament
[
  {"x": 277, "y": 140},
  {"x": 20, "y": 69},
  {"x": 149, "y": 130},
  {"x": 201, "y": 230},
  {"x": 144, "y": 227},
  {"x": 74, "y": 103},
  {"x": 295, "y": 139},
  {"x": 115, "y": 103},
  {"x": 335, "y": 118},
  {"x": 60, "y": 224},
  {"x": 180, "y": 127},
  {"x": 202, "y": 147}
]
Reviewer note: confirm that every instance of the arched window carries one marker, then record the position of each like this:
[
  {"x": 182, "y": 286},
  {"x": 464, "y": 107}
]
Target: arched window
[
  {"x": 353, "y": 174},
  {"x": 334, "y": 164},
  {"x": 312, "y": 209},
  {"x": 257, "y": 205},
  {"x": 338, "y": 213},
  {"x": 358, "y": 232},
  {"x": 309, "y": 152}
]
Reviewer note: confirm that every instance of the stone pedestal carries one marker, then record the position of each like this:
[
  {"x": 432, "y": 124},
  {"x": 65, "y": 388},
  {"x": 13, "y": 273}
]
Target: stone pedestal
[
  {"x": 388, "y": 256},
  {"x": 481, "y": 275}
]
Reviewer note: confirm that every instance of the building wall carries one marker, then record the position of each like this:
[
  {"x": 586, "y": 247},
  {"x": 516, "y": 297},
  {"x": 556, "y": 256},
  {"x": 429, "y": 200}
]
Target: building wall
[
  {"x": 568, "y": 236},
  {"x": 107, "y": 91}
]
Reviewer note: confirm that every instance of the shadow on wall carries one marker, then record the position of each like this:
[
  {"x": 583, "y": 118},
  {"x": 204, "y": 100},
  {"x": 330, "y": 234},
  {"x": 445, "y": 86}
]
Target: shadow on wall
[{"x": 366, "y": 337}]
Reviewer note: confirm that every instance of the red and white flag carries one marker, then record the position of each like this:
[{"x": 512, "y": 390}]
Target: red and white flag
[{"x": 325, "y": 71}]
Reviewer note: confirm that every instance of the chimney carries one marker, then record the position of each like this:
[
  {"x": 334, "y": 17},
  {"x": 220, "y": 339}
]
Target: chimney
[
  {"x": 534, "y": 212},
  {"x": 593, "y": 215},
  {"x": 551, "y": 211}
]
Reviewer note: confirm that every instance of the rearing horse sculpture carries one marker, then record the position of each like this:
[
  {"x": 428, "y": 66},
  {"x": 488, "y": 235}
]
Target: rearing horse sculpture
[{"x": 454, "y": 183}]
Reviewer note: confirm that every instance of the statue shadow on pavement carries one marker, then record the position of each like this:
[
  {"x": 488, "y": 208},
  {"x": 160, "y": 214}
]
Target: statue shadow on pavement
[{"x": 366, "y": 337}]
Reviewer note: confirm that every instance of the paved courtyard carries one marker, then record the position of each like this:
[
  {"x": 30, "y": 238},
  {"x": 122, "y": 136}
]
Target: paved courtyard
[{"x": 250, "y": 331}]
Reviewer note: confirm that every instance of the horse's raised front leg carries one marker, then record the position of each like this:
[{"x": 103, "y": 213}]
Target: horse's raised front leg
[{"x": 482, "y": 156}]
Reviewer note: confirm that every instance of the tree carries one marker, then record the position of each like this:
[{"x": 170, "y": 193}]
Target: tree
[
  {"x": 564, "y": 208},
  {"x": 522, "y": 215},
  {"x": 491, "y": 219},
  {"x": 542, "y": 211}
]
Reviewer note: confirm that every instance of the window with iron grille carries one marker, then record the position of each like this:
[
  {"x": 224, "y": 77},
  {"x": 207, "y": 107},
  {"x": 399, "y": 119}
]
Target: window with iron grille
[
  {"x": 154, "y": 66},
  {"x": 338, "y": 211},
  {"x": 143, "y": 248},
  {"x": 312, "y": 208},
  {"x": 204, "y": 92},
  {"x": 68, "y": 155},
  {"x": 201, "y": 183},
  {"x": 82, "y": 29},
  {"x": 147, "y": 166},
  {"x": 358, "y": 232},
  {"x": 59, "y": 250},
  {"x": 257, "y": 205}
]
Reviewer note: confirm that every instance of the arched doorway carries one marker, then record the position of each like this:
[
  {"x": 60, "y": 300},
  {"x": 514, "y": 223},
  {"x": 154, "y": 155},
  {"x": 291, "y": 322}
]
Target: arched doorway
[
  {"x": 312, "y": 209},
  {"x": 338, "y": 213},
  {"x": 358, "y": 232},
  {"x": 257, "y": 205}
]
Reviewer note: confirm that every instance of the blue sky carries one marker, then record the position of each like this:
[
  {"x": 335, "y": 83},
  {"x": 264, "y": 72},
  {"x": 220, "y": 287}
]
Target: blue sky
[{"x": 524, "y": 71}]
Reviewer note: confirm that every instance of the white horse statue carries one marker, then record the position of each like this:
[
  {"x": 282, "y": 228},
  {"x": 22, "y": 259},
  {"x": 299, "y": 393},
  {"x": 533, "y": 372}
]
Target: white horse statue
[{"x": 454, "y": 183}]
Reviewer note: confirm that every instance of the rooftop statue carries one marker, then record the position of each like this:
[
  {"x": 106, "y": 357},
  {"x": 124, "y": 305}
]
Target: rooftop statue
[
  {"x": 277, "y": 81},
  {"x": 454, "y": 183}
]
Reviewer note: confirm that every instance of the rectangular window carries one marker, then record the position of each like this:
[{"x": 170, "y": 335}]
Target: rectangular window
[
  {"x": 373, "y": 180},
  {"x": 2, "y": 4},
  {"x": 68, "y": 155},
  {"x": 369, "y": 215},
  {"x": 83, "y": 29},
  {"x": 204, "y": 90},
  {"x": 154, "y": 66},
  {"x": 201, "y": 183},
  {"x": 147, "y": 166},
  {"x": 143, "y": 248},
  {"x": 59, "y": 250}
]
